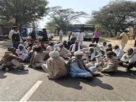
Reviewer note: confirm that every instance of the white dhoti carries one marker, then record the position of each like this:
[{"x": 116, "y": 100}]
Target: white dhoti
[{"x": 122, "y": 45}]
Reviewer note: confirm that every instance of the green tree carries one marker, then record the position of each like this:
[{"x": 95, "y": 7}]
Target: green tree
[
  {"x": 24, "y": 11},
  {"x": 115, "y": 16},
  {"x": 63, "y": 17},
  {"x": 51, "y": 26}
]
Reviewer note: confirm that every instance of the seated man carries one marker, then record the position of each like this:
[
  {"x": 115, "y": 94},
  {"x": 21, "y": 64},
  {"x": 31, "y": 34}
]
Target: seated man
[
  {"x": 56, "y": 67},
  {"x": 11, "y": 61},
  {"x": 38, "y": 58},
  {"x": 109, "y": 46},
  {"x": 72, "y": 41},
  {"x": 78, "y": 67},
  {"x": 66, "y": 54},
  {"x": 27, "y": 42},
  {"x": 65, "y": 43},
  {"x": 129, "y": 59},
  {"x": 118, "y": 52},
  {"x": 92, "y": 53},
  {"x": 112, "y": 63},
  {"x": 100, "y": 59},
  {"x": 96, "y": 48},
  {"x": 22, "y": 52},
  {"x": 50, "y": 47},
  {"x": 104, "y": 46}
]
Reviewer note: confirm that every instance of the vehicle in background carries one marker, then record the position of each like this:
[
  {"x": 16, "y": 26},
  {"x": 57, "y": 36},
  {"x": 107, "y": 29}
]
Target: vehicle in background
[
  {"x": 3, "y": 37},
  {"x": 87, "y": 30}
]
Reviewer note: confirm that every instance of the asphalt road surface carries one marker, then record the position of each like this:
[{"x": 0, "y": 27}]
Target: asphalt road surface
[{"x": 35, "y": 86}]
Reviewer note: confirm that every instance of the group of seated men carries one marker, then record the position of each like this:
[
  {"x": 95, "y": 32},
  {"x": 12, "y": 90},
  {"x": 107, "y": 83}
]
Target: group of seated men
[{"x": 68, "y": 58}]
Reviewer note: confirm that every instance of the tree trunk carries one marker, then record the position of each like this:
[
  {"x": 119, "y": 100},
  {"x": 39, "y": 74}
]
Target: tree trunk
[
  {"x": 110, "y": 32},
  {"x": 34, "y": 26},
  {"x": 111, "y": 35},
  {"x": 116, "y": 33}
]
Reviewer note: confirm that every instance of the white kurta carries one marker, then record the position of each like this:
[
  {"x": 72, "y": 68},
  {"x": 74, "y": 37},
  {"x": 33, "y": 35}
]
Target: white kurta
[
  {"x": 11, "y": 33},
  {"x": 130, "y": 59},
  {"x": 22, "y": 54},
  {"x": 80, "y": 38},
  {"x": 119, "y": 53}
]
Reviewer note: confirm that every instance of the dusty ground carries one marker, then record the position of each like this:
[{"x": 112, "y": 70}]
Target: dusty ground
[{"x": 114, "y": 41}]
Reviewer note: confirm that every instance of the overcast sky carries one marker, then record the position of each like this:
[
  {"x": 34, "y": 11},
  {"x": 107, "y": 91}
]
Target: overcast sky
[{"x": 77, "y": 5}]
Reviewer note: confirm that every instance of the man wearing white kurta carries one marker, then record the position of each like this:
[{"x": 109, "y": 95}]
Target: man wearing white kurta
[
  {"x": 119, "y": 52},
  {"x": 129, "y": 59},
  {"x": 80, "y": 38}
]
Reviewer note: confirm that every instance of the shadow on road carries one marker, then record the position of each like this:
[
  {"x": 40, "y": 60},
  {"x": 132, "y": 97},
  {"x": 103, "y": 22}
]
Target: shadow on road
[
  {"x": 123, "y": 74},
  {"x": 18, "y": 73},
  {"x": 3, "y": 76},
  {"x": 75, "y": 83},
  {"x": 98, "y": 83}
]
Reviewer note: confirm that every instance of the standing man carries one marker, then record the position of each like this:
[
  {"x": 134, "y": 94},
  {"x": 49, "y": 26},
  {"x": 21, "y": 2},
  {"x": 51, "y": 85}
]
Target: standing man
[
  {"x": 124, "y": 39},
  {"x": 80, "y": 38},
  {"x": 15, "y": 36},
  {"x": 44, "y": 35},
  {"x": 60, "y": 35},
  {"x": 96, "y": 36},
  {"x": 11, "y": 33},
  {"x": 33, "y": 35},
  {"x": 69, "y": 35}
]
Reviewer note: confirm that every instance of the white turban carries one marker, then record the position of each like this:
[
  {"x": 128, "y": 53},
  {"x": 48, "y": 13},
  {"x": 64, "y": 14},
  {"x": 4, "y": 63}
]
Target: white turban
[
  {"x": 78, "y": 53},
  {"x": 21, "y": 45},
  {"x": 54, "y": 54}
]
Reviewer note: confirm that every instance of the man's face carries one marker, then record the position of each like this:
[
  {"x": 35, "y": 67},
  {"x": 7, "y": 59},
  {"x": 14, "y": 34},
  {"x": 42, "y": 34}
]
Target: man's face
[
  {"x": 16, "y": 29},
  {"x": 116, "y": 47},
  {"x": 130, "y": 51},
  {"x": 79, "y": 57},
  {"x": 61, "y": 46},
  {"x": 21, "y": 48},
  {"x": 44, "y": 30},
  {"x": 104, "y": 44}
]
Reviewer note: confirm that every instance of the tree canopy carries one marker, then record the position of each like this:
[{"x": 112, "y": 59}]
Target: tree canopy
[
  {"x": 63, "y": 17},
  {"x": 24, "y": 11},
  {"x": 116, "y": 16}
]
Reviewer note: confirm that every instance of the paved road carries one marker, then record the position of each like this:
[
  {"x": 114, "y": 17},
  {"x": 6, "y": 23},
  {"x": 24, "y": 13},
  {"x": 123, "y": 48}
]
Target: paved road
[
  {"x": 14, "y": 86},
  {"x": 119, "y": 87}
]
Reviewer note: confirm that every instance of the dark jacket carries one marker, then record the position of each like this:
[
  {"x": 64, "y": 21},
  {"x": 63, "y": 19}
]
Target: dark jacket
[{"x": 15, "y": 37}]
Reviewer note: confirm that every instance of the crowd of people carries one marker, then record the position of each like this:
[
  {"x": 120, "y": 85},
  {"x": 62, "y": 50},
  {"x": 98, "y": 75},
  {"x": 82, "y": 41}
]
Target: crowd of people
[{"x": 67, "y": 58}]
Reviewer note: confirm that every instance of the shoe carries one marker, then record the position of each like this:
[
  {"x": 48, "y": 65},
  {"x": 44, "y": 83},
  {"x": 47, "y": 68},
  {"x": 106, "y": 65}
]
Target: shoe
[{"x": 50, "y": 78}]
